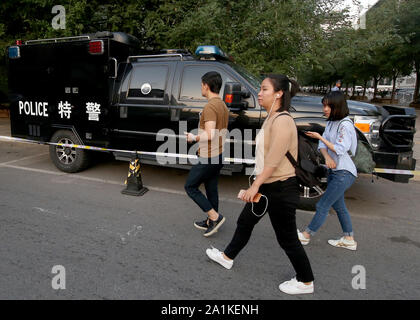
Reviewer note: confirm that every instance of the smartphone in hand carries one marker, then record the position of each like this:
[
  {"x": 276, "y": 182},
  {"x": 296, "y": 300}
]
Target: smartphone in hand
[{"x": 256, "y": 199}]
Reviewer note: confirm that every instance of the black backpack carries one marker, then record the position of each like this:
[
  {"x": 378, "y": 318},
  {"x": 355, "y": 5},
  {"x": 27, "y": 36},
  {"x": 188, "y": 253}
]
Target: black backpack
[{"x": 307, "y": 168}]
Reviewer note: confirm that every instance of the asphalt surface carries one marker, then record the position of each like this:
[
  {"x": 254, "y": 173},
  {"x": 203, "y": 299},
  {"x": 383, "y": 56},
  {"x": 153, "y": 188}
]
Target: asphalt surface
[{"x": 115, "y": 246}]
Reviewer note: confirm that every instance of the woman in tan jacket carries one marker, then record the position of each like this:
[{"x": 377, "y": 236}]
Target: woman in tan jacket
[{"x": 276, "y": 181}]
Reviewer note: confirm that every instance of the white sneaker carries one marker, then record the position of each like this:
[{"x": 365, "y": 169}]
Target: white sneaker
[
  {"x": 304, "y": 241},
  {"x": 217, "y": 256},
  {"x": 344, "y": 243},
  {"x": 296, "y": 287}
]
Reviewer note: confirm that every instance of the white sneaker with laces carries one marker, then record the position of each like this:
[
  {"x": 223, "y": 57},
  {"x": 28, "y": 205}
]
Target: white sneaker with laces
[
  {"x": 303, "y": 240},
  {"x": 217, "y": 256},
  {"x": 296, "y": 287},
  {"x": 344, "y": 243}
]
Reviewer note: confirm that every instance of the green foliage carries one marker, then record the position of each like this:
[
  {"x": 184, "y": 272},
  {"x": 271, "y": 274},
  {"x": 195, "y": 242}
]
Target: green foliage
[
  {"x": 388, "y": 47},
  {"x": 408, "y": 26},
  {"x": 311, "y": 40}
]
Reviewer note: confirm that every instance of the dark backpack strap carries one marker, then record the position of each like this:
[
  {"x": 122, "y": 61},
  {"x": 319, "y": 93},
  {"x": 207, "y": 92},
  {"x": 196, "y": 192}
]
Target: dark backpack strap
[
  {"x": 291, "y": 159},
  {"x": 288, "y": 154}
]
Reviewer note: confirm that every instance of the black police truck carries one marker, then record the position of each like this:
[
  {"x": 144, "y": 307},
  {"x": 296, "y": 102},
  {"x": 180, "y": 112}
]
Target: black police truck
[{"x": 101, "y": 90}]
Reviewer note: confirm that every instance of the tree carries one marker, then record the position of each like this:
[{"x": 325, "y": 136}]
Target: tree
[
  {"x": 408, "y": 26},
  {"x": 262, "y": 35}
]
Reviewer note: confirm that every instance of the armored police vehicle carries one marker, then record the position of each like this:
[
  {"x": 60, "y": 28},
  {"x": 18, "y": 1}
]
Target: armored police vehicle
[{"x": 100, "y": 90}]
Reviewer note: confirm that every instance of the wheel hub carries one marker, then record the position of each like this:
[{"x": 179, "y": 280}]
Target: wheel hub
[{"x": 66, "y": 155}]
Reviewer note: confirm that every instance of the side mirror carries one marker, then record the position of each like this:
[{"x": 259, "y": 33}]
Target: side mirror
[
  {"x": 245, "y": 93},
  {"x": 232, "y": 96}
]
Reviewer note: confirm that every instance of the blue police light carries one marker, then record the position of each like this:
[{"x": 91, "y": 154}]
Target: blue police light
[
  {"x": 211, "y": 51},
  {"x": 14, "y": 52}
]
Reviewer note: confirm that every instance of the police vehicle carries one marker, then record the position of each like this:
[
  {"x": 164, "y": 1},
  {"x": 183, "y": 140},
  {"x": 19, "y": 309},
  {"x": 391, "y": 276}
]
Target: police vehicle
[{"x": 100, "y": 90}]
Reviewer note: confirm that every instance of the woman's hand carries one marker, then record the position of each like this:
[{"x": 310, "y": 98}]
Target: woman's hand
[
  {"x": 249, "y": 194},
  {"x": 330, "y": 163},
  {"x": 314, "y": 135}
]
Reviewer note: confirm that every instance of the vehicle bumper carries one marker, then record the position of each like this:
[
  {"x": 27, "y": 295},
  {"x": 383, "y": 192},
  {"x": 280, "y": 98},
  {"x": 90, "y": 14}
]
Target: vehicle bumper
[{"x": 401, "y": 161}]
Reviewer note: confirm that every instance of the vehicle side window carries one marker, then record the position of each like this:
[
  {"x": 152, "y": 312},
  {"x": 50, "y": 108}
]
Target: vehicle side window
[
  {"x": 191, "y": 82},
  {"x": 148, "y": 82}
]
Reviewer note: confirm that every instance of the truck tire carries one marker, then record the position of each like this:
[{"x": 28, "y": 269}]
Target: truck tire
[
  {"x": 67, "y": 159},
  {"x": 310, "y": 196}
]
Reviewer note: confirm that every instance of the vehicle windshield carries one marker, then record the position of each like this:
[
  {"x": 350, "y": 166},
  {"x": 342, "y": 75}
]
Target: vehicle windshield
[{"x": 254, "y": 80}]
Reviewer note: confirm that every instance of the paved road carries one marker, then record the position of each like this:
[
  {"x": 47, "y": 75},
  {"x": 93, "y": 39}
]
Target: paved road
[{"x": 114, "y": 246}]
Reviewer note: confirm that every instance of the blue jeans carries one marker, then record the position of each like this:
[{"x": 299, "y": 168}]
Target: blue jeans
[
  {"x": 207, "y": 172},
  {"x": 338, "y": 182}
]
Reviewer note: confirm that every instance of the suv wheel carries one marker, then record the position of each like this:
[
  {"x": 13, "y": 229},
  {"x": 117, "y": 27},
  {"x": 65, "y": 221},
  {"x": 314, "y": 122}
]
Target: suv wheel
[
  {"x": 67, "y": 159},
  {"x": 310, "y": 196}
]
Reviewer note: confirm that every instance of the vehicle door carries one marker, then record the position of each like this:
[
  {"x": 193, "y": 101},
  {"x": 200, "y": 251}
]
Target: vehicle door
[
  {"x": 143, "y": 103},
  {"x": 189, "y": 103}
]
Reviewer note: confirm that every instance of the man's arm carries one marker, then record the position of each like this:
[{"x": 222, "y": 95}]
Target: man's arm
[
  {"x": 209, "y": 131},
  {"x": 206, "y": 135}
]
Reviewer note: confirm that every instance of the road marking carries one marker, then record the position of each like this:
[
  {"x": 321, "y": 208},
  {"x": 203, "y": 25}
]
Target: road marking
[
  {"x": 42, "y": 210},
  {"x": 120, "y": 183},
  {"x": 23, "y": 159},
  {"x": 34, "y": 170},
  {"x": 123, "y": 237}
]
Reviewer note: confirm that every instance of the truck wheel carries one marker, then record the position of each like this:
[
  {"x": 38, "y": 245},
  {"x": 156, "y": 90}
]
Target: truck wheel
[
  {"x": 310, "y": 196},
  {"x": 67, "y": 159}
]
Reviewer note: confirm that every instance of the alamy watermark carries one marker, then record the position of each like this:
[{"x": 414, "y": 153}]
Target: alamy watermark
[
  {"x": 59, "y": 21},
  {"x": 58, "y": 282},
  {"x": 236, "y": 143},
  {"x": 359, "y": 280}
]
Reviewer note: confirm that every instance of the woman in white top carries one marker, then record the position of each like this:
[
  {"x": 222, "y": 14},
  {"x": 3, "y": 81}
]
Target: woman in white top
[
  {"x": 338, "y": 139},
  {"x": 276, "y": 181}
]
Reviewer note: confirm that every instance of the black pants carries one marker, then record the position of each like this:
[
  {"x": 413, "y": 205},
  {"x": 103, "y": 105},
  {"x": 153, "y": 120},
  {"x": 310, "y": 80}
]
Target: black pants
[
  {"x": 283, "y": 198},
  {"x": 208, "y": 173}
]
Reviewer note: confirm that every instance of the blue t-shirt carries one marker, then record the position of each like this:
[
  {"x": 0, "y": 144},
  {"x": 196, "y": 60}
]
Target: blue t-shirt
[{"x": 342, "y": 135}]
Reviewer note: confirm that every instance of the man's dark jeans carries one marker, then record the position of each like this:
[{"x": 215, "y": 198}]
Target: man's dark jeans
[{"x": 207, "y": 171}]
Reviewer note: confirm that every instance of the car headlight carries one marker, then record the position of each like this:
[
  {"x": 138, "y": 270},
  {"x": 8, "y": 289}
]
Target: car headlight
[{"x": 369, "y": 126}]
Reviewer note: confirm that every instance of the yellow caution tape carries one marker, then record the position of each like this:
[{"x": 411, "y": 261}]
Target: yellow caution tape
[
  {"x": 396, "y": 171},
  {"x": 136, "y": 166}
]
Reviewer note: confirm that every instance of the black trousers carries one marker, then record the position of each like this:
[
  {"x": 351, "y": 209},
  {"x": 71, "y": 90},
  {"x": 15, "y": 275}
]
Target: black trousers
[
  {"x": 283, "y": 198},
  {"x": 207, "y": 173}
]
